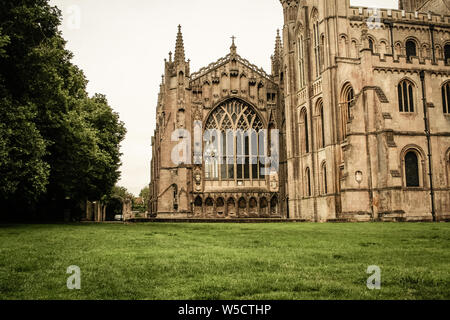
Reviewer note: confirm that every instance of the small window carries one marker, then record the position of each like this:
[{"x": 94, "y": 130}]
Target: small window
[
  {"x": 411, "y": 49},
  {"x": 308, "y": 183},
  {"x": 446, "y": 98},
  {"x": 371, "y": 46},
  {"x": 406, "y": 96},
  {"x": 324, "y": 179},
  {"x": 412, "y": 169}
]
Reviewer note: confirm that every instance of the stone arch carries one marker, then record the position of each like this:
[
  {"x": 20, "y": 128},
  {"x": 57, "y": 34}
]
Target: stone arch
[
  {"x": 447, "y": 166},
  {"x": 198, "y": 206},
  {"x": 411, "y": 47},
  {"x": 274, "y": 206},
  {"x": 308, "y": 186},
  {"x": 447, "y": 53},
  {"x": 220, "y": 206},
  {"x": 347, "y": 99},
  {"x": 373, "y": 45},
  {"x": 242, "y": 207},
  {"x": 445, "y": 92},
  {"x": 209, "y": 206},
  {"x": 263, "y": 206},
  {"x": 304, "y": 130},
  {"x": 253, "y": 207},
  {"x": 320, "y": 124},
  {"x": 324, "y": 183},
  {"x": 354, "y": 49},
  {"x": 421, "y": 168},
  {"x": 407, "y": 95},
  {"x": 343, "y": 45},
  {"x": 231, "y": 207}
]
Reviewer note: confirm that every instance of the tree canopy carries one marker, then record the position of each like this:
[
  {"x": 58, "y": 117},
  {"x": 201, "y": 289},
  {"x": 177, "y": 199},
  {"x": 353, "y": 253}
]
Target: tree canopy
[{"x": 56, "y": 142}]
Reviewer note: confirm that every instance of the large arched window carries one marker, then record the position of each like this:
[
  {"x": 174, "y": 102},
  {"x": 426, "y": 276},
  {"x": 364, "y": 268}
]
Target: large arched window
[
  {"x": 406, "y": 96},
  {"x": 233, "y": 142},
  {"x": 347, "y": 99},
  {"x": 411, "y": 49},
  {"x": 446, "y": 97},
  {"x": 412, "y": 175}
]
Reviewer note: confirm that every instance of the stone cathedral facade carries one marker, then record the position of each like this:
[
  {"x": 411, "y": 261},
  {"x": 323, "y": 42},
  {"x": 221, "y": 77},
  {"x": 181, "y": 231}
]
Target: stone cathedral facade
[{"x": 361, "y": 100}]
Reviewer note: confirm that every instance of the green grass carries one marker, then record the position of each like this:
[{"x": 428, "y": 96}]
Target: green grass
[{"x": 225, "y": 261}]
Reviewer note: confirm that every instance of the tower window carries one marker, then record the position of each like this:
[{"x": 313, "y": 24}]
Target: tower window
[
  {"x": 406, "y": 96},
  {"x": 411, "y": 49}
]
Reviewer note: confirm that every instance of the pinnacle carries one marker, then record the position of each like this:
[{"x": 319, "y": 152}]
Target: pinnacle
[{"x": 179, "y": 47}]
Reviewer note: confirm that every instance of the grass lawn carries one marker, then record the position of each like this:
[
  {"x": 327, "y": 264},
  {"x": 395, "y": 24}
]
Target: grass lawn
[{"x": 225, "y": 261}]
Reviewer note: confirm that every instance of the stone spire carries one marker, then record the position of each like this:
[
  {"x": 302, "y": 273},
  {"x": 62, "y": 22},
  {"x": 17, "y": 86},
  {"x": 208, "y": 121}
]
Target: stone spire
[
  {"x": 277, "y": 56},
  {"x": 179, "y": 48},
  {"x": 233, "y": 48},
  {"x": 278, "y": 46}
]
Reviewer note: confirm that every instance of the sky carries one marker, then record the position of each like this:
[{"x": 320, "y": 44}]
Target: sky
[{"x": 121, "y": 46}]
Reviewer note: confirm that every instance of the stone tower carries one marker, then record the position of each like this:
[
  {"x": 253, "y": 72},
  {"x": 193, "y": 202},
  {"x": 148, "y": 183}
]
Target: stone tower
[{"x": 435, "y": 6}]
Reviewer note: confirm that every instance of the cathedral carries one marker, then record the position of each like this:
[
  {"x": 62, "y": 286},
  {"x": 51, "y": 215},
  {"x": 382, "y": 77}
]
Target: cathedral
[{"x": 352, "y": 123}]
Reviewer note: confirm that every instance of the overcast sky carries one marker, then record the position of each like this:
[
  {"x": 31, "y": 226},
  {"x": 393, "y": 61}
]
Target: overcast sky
[{"x": 121, "y": 45}]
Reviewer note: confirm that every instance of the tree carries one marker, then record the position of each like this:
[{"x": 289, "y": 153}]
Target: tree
[
  {"x": 145, "y": 195},
  {"x": 56, "y": 142}
]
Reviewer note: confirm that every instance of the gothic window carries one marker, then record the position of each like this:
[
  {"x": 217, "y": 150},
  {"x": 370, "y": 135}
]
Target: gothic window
[
  {"x": 411, "y": 49},
  {"x": 412, "y": 169},
  {"x": 324, "y": 179},
  {"x": 406, "y": 96},
  {"x": 301, "y": 62},
  {"x": 233, "y": 138},
  {"x": 446, "y": 97},
  {"x": 316, "y": 42},
  {"x": 308, "y": 183},
  {"x": 447, "y": 53},
  {"x": 321, "y": 125},
  {"x": 304, "y": 132},
  {"x": 347, "y": 99}
]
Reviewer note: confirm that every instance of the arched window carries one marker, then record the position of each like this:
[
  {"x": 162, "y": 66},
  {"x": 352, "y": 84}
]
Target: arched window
[
  {"x": 412, "y": 169},
  {"x": 321, "y": 125},
  {"x": 411, "y": 49},
  {"x": 233, "y": 137},
  {"x": 446, "y": 97},
  {"x": 447, "y": 53},
  {"x": 324, "y": 179},
  {"x": 304, "y": 131},
  {"x": 406, "y": 96},
  {"x": 301, "y": 62},
  {"x": 347, "y": 100},
  {"x": 308, "y": 183},
  {"x": 316, "y": 43},
  {"x": 371, "y": 45}
]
